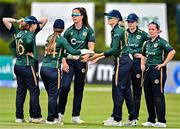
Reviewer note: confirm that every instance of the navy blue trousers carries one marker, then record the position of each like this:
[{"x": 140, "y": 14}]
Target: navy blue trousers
[
  {"x": 154, "y": 96},
  {"x": 27, "y": 79},
  {"x": 77, "y": 70},
  {"x": 121, "y": 87},
  {"x": 136, "y": 76},
  {"x": 50, "y": 79}
]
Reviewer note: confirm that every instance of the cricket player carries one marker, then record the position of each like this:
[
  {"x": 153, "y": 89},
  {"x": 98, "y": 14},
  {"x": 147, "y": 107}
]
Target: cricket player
[
  {"x": 157, "y": 52},
  {"x": 122, "y": 71},
  {"x": 80, "y": 36},
  {"x": 26, "y": 66},
  {"x": 136, "y": 38},
  {"x": 51, "y": 67}
]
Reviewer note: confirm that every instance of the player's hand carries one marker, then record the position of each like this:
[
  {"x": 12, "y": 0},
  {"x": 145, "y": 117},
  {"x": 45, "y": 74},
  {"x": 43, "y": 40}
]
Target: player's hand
[
  {"x": 96, "y": 55},
  {"x": 85, "y": 57},
  {"x": 30, "y": 54},
  {"x": 95, "y": 60},
  {"x": 65, "y": 67},
  {"x": 160, "y": 66},
  {"x": 137, "y": 55},
  {"x": 20, "y": 21}
]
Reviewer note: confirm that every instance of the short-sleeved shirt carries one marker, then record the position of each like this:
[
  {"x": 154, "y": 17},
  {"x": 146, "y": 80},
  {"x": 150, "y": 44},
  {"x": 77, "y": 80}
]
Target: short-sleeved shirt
[
  {"x": 54, "y": 58},
  {"x": 22, "y": 40},
  {"x": 118, "y": 42},
  {"x": 155, "y": 51},
  {"x": 136, "y": 40},
  {"x": 79, "y": 39}
]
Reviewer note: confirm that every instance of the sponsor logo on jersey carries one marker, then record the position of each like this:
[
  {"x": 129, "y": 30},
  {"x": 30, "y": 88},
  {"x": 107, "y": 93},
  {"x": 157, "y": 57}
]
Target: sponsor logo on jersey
[{"x": 74, "y": 41}]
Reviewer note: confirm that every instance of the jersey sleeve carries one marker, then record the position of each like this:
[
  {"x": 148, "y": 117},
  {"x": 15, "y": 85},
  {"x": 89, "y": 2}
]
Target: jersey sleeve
[
  {"x": 68, "y": 48},
  {"x": 65, "y": 35},
  {"x": 14, "y": 30},
  {"x": 146, "y": 36},
  {"x": 114, "y": 44},
  {"x": 91, "y": 35},
  {"x": 166, "y": 46}
]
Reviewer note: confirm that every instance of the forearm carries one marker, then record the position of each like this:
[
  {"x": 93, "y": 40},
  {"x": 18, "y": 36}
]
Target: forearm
[
  {"x": 8, "y": 22},
  {"x": 169, "y": 57},
  {"x": 143, "y": 60},
  {"x": 99, "y": 55},
  {"x": 91, "y": 46},
  {"x": 43, "y": 21},
  {"x": 110, "y": 52},
  {"x": 63, "y": 60}
]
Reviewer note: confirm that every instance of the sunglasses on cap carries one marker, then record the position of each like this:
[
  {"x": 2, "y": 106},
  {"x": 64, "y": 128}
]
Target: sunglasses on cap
[{"x": 75, "y": 14}]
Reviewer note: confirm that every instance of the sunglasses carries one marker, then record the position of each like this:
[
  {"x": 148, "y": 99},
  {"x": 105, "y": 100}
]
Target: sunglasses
[
  {"x": 109, "y": 17},
  {"x": 75, "y": 14}
]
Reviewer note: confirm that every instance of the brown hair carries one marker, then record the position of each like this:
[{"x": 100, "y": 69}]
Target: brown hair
[
  {"x": 157, "y": 25},
  {"x": 84, "y": 13},
  {"x": 24, "y": 26},
  {"x": 52, "y": 39}
]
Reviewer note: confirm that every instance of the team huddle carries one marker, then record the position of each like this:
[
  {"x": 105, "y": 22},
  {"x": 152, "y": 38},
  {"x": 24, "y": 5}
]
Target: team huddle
[{"x": 140, "y": 59}]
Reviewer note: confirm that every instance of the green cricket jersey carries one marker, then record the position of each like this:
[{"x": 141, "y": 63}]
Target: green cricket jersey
[
  {"x": 24, "y": 42},
  {"x": 156, "y": 50},
  {"x": 54, "y": 58},
  {"x": 79, "y": 38},
  {"x": 136, "y": 40},
  {"x": 118, "y": 42}
]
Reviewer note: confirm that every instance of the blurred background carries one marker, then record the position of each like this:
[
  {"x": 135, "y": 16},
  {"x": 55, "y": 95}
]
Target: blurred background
[{"x": 165, "y": 11}]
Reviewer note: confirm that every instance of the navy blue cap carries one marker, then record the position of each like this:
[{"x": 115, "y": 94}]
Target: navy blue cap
[
  {"x": 132, "y": 17},
  {"x": 114, "y": 13},
  {"x": 31, "y": 20},
  {"x": 58, "y": 23}
]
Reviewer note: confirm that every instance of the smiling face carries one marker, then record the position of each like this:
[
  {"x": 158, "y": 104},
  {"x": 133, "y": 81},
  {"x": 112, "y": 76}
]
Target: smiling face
[
  {"x": 76, "y": 16},
  {"x": 153, "y": 30}
]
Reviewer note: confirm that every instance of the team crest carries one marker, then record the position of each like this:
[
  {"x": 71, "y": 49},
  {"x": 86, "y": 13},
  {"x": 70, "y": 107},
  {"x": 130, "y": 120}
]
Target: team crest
[
  {"x": 167, "y": 45},
  {"x": 84, "y": 33},
  {"x": 155, "y": 45},
  {"x": 138, "y": 75},
  {"x": 83, "y": 70},
  {"x": 156, "y": 81},
  {"x": 138, "y": 36}
]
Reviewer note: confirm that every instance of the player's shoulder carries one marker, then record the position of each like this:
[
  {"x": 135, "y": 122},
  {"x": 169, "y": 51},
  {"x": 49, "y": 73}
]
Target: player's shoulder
[
  {"x": 119, "y": 29},
  {"x": 142, "y": 31},
  {"x": 70, "y": 28},
  {"x": 61, "y": 39},
  {"x": 162, "y": 40},
  {"x": 88, "y": 28}
]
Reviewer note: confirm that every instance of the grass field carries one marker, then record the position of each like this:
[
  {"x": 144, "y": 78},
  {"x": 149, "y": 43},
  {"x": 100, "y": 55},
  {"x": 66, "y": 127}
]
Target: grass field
[{"x": 96, "y": 107}]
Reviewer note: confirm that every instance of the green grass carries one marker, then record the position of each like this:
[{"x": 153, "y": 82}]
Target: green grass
[{"x": 96, "y": 107}]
